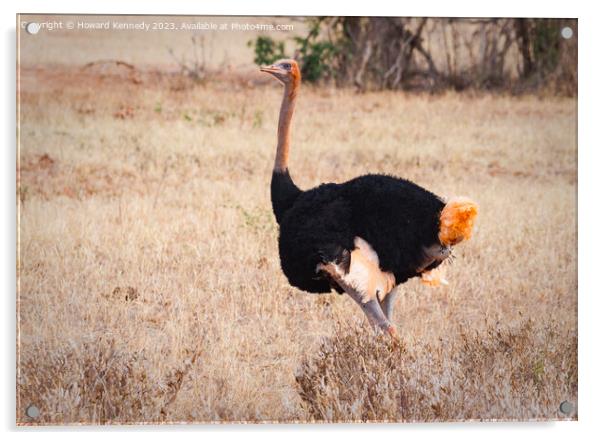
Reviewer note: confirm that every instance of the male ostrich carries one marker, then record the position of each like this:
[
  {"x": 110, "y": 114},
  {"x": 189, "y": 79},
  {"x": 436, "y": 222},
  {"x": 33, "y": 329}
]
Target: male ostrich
[{"x": 363, "y": 237}]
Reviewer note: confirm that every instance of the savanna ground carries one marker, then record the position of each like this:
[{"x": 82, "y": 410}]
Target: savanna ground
[{"x": 149, "y": 279}]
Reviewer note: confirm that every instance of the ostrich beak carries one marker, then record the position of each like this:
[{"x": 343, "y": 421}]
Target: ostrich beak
[{"x": 269, "y": 69}]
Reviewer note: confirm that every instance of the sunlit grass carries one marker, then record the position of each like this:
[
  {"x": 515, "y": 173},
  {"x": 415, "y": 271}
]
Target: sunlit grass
[{"x": 174, "y": 206}]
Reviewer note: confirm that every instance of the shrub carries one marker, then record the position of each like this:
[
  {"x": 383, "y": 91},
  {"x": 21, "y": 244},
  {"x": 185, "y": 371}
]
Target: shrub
[
  {"x": 315, "y": 55},
  {"x": 523, "y": 372},
  {"x": 94, "y": 382},
  {"x": 354, "y": 376},
  {"x": 402, "y": 53},
  {"x": 267, "y": 51}
]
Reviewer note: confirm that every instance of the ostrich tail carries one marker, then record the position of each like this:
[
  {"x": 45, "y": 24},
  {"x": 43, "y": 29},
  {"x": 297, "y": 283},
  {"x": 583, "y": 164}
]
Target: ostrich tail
[
  {"x": 434, "y": 277},
  {"x": 457, "y": 220}
]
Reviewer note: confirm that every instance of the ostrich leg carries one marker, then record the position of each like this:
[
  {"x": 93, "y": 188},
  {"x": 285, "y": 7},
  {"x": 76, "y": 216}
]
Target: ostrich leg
[
  {"x": 372, "y": 309},
  {"x": 368, "y": 303},
  {"x": 388, "y": 303}
]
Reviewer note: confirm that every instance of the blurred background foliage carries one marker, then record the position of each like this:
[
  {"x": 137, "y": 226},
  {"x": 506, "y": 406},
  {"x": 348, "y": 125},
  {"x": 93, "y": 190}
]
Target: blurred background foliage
[{"x": 375, "y": 53}]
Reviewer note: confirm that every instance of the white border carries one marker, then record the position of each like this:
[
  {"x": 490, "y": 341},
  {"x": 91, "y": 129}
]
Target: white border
[{"x": 589, "y": 181}]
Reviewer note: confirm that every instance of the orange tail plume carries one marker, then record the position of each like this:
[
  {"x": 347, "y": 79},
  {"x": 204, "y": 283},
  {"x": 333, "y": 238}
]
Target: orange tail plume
[
  {"x": 435, "y": 277},
  {"x": 456, "y": 220}
]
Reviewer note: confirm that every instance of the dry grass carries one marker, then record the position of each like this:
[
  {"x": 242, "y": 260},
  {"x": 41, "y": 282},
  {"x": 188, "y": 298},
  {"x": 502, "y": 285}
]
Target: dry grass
[
  {"x": 499, "y": 374},
  {"x": 148, "y": 257}
]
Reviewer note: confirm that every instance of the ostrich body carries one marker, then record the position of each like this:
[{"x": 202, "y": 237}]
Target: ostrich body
[{"x": 362, "y": 237}]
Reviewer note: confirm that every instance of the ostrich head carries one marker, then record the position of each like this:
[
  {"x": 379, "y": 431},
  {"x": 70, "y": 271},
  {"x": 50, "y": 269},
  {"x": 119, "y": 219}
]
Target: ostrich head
[{"x": 286, "y": 71}]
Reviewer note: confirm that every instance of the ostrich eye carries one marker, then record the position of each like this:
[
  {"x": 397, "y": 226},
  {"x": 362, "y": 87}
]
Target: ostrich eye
[{"x": 286, "y": 66}]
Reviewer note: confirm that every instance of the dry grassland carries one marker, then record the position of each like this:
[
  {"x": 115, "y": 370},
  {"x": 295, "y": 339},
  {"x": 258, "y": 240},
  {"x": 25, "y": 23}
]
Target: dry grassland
[{"x": 150, "y": 287}]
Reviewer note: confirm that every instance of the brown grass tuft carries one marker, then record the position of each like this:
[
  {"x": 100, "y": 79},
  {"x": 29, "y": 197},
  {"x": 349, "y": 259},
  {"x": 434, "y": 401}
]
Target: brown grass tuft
[
  {"x": 96, "y": 382},
  {"x": 503, "y": 373},
  {"x": 354, "y": 376}
]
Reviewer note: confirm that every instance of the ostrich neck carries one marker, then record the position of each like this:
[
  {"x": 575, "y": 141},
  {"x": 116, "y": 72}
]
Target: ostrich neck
[{"x": 284, "y": 127}]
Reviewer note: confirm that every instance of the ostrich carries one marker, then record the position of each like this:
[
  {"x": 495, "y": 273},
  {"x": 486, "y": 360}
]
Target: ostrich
[{"x": 363, "y": 237}]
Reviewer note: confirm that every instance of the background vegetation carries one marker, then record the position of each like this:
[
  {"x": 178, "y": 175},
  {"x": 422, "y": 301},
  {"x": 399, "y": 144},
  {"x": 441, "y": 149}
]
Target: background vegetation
[{"x": 517, "y": 54}]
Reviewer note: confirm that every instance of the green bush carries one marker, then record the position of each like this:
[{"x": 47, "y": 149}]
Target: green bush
[
  {"x": 267, "y": 51},
  {"x": 375, "y": 53},
  {"x": 316, "y": 56},
  {"x": 546, "y": 49}
]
